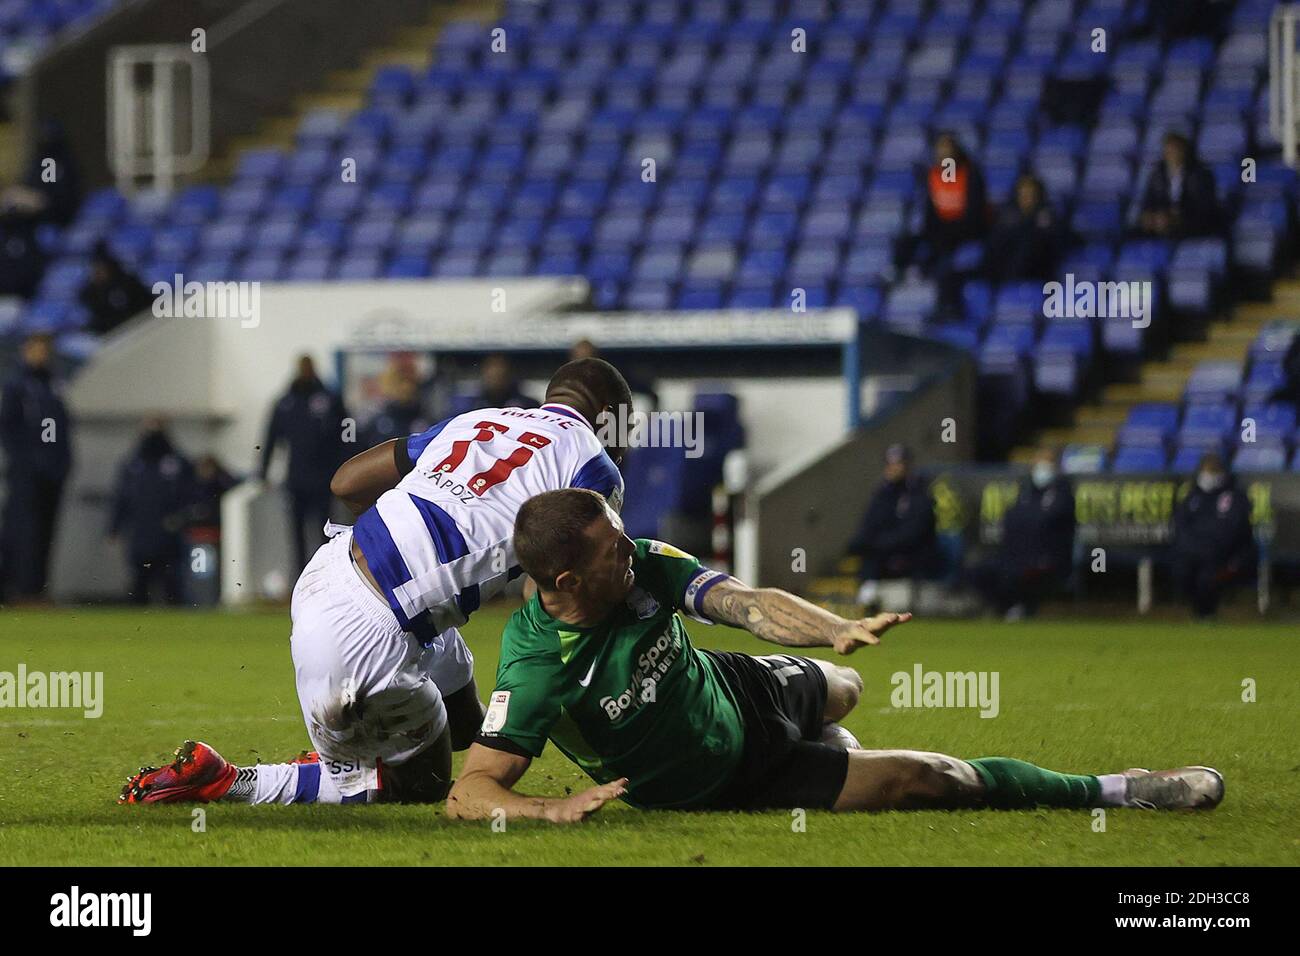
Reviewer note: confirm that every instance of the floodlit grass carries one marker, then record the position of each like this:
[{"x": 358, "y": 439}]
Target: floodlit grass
[{"x": 1077, "y": 696}]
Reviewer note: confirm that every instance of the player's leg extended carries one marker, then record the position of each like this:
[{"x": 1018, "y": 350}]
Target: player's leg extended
[
  {"x": 912, "y": 780},
  {"x": 370, "y": 706}
]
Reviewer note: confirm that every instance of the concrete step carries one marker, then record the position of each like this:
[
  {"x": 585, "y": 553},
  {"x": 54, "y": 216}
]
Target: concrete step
[
  {"x": 344, "y": 89},
  {"x": 1110, "y": 414},
  {"x": 1131, "y": 393},
  {"x": 1078, "y": 434}
]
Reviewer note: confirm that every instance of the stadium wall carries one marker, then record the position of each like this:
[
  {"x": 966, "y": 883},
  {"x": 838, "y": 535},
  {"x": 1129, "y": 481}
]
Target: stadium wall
[
  {"x": 216, "y": 379},
  {"x": 816, "y": 504}
]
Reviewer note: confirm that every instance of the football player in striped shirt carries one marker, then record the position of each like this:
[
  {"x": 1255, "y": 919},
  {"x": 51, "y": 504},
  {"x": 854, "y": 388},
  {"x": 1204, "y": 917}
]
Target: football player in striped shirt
[{"x": 384, "y": 679}]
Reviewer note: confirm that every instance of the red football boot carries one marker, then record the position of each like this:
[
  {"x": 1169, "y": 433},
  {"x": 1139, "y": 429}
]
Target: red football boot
[{"x": 198, "y": 775}]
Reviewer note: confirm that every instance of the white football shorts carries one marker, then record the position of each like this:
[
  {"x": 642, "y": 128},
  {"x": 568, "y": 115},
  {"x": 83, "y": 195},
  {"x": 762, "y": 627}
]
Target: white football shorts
[{"x": 369, "y": 691}]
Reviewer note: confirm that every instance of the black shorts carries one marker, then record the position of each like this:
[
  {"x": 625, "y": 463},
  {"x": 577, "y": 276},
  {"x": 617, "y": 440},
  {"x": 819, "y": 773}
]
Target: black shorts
[{"x": 782, "y": 700}]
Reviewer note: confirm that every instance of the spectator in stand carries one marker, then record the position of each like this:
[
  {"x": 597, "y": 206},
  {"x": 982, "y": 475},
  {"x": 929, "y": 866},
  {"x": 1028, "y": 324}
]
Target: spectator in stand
[
  {"x": 956, "y": 210},
  {"x": 897, "y": 538},
  {"x": 47, "y": 194},
  {"x": 1213, "y": 544},
  {"x": 151, "y": 509},
  {"x": 37, "y": 443},
  {"x": 112, "y": 294},
  {"x": 498, "y": 387},
  {"x": 1179, "y": 199},
  {"x": 51, "y": 177},
  {"x": 22, "y": 260},
  {"x": 309, "y": 419},
  {"x": 1027, "y": 240},
  {"x": 1290, "y": 388},
  {"x": 1036, "y": 555}
]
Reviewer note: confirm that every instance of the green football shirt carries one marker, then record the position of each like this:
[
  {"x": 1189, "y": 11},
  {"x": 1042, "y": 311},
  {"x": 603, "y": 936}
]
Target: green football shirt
[{"x": 630, "y": 697}]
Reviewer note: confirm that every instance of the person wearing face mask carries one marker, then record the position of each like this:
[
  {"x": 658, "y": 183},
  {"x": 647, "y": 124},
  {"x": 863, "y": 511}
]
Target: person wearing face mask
[
  {"x": 897, "y": 537},
  {"x": 1036, "y": 555},
  {"x": 1213, "y": 543},
  {"x": 155, "y": 489}
]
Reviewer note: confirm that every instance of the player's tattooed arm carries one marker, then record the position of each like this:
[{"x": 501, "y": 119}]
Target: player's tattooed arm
[
  {"x": 786, "y": 619},
  {"x": 484, "y": 791},
  {"x": 361, "y": 479}
]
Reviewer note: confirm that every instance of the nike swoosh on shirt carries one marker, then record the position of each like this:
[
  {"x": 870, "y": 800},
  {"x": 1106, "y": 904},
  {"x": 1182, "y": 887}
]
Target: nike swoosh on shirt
[{"x": 587, "y": 680}]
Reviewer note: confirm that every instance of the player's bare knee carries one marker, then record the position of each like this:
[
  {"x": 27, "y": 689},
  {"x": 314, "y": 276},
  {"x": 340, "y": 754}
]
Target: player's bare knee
[{"x": 843, "y": 690}]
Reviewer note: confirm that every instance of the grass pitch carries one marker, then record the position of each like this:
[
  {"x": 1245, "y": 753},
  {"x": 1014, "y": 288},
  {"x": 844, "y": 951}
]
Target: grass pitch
[{"x": 1076, "y": 696}]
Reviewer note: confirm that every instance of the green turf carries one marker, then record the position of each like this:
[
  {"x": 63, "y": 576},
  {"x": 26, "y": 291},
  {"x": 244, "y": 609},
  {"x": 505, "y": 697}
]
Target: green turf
[{"x": 1086, "y": 696}]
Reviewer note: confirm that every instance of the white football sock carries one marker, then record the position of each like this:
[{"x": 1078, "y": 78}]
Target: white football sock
[
  {"x": 284, "y": 783},
  {"x": 1114, "y": 789}
]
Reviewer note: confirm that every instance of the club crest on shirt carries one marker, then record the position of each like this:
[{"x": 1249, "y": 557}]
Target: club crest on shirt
[
  {"x": 642, "y": 604},
  {"x": 495, "y": 718},
  {"x": 661, "y": 547}
]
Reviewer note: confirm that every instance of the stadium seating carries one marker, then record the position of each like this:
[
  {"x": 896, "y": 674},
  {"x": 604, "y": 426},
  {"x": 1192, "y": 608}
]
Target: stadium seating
[
  {"x": 773, "y": 170},
  {"x": 26, "y": 26}
]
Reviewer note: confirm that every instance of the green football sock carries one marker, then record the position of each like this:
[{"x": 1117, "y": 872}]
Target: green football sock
[{"x": 1013, "y": 783}]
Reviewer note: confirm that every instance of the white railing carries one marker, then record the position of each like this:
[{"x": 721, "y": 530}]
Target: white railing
[
  {"x": 158, "y": 99},
  {"x": 1282, "y": 80}
]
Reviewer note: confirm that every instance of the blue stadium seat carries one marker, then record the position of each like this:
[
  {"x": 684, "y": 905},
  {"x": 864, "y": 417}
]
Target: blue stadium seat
[{"x": 1133, "y": 460}]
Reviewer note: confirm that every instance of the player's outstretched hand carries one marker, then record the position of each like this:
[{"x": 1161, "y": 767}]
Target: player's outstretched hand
[
  {"x": 854, "y": 634},
  {"x": 578, "y": 807}
]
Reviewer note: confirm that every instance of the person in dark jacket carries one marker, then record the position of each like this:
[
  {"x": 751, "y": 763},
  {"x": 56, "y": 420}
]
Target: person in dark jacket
[
  {"x": 1027, "y": 240},
  {"x": 1213, "y": 544},
  {"x": 111, "y": 293},
  {"x": 151, "y": 508},
  {"x": 52, "y": 175},
  {"x": 22, "y": 259},
  {"x": 897, "y": 536},
  {"x": 1036, "y": 555},
  {"x": 1180, "y": 198},
  {"x": 37, "y": 443},
  {"x": 211, "y": 482},
  {"x": 401, "y": 415},
  {"x": 309, "y": 419}
]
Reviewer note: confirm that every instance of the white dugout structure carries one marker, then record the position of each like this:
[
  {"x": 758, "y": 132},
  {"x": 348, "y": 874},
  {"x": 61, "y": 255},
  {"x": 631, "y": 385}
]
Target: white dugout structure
[{"x": 216, "y": 379}]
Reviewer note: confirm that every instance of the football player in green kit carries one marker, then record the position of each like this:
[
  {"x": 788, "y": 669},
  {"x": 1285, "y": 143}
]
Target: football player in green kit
[{"x": 599, "y": 663}]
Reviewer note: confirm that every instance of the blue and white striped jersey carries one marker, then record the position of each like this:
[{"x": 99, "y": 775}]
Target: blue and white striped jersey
[{"x": 440, "y": 543}]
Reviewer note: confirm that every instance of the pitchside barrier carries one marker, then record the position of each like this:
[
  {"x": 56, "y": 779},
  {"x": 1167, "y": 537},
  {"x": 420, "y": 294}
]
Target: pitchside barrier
[{"x": 1129, "y": 517}]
